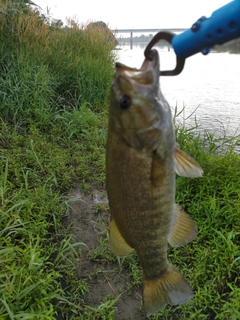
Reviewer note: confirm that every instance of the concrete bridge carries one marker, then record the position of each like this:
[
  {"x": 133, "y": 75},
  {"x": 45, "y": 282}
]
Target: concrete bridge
[{"x": 132, "y": 31}]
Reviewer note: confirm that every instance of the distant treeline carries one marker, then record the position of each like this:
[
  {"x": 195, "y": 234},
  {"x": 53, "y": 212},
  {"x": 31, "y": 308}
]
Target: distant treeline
[
  {"x": 231, "y": 46},
  {"x": 142, "y": 38}
]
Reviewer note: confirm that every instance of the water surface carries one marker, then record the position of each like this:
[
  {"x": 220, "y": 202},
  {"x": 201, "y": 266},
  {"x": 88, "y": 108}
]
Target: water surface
[{"x": 210, "y": 84}]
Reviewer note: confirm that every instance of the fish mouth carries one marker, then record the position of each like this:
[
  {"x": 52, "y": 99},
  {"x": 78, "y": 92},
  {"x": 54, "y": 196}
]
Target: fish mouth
[
  {"x": 140, "y": 125},
  {"x": 152, "y": 64},
  {"x": 148, "y": 73}
]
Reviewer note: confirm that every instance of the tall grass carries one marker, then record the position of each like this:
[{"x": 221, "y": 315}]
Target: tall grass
[
  {"x": 46, "y": 70},
  {"x": 54, "y": 86}
]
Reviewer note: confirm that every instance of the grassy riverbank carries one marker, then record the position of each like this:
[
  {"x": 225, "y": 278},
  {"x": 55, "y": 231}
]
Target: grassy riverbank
[
  {"x": 54, "y": 95},
  {"x": 53, "y": 117}
]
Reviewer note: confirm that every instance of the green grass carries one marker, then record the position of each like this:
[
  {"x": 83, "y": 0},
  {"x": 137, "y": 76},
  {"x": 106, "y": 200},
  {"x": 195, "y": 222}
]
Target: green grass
[
  {"x": 211, "y": 262},
  {"x": 105, "y": 311},
  {"x": 54, "y": 93},
  {"x": 53, "y": 123}
]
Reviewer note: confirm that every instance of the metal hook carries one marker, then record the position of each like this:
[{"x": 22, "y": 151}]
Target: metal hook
[{"x": 162, "y": 35}]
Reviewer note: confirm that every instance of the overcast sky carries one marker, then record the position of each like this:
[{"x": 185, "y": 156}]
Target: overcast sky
[{"x": 125, "y": 14}]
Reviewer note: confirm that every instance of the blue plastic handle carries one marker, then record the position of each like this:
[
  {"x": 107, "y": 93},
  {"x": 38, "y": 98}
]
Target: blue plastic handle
[{"x": 222, "y": 26}]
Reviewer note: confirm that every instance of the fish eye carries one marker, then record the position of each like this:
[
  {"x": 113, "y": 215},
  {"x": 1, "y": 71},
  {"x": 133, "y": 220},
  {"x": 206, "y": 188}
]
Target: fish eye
[{"x": 125, "y": 102}]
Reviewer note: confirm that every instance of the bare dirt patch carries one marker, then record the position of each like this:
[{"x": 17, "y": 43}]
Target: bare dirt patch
[{"x": 89, "y": 218}]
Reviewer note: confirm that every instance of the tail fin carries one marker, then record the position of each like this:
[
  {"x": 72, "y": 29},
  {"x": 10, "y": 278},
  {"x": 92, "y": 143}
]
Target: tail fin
[{"x": 170, "y": 288}]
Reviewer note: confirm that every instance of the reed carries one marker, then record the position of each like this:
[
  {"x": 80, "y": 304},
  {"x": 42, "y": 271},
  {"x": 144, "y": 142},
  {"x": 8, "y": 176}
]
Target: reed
[{"x": 47, "y": 69}]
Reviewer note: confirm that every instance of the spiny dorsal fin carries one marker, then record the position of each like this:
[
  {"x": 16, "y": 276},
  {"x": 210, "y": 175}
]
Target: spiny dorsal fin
[
  {"x": 183, "y": 229},
  {"x": 185, "y": 165}
]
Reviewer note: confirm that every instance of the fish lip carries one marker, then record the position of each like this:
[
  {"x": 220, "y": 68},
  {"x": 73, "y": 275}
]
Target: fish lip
[
  {"x": 152, "y": 64},
  {"x": 120, "y": 66},
  {"x": 147, "y": 65}
]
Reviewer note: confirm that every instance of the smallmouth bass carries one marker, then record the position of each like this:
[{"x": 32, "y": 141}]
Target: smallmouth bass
[{"x": 141, "y": 160}]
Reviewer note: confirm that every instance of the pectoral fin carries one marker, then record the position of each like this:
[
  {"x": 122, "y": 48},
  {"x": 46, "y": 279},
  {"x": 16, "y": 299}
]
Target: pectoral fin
[
  {"x": 117, "y": 243},
  {"x": 183, "y": 229},
  {"x": 185, "y": 165}
]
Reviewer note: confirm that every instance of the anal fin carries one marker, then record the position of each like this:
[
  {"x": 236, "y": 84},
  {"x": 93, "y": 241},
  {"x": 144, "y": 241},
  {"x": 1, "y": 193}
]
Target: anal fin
[
  {"x": 171, "y": 288},
  {"x": 117, "y": 243},
  {"x": 183, "y": 229}
]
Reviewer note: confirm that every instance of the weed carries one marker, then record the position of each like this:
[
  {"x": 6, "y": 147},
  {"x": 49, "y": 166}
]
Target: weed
[{"x": 105, "y": 311}]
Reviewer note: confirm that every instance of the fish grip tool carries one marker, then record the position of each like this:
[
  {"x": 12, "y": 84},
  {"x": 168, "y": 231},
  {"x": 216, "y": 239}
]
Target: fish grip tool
[
  {"x": 222, "y": 26},
  {"x": 148, "y": 53}
]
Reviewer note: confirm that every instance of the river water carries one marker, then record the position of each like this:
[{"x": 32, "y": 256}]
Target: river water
[{"x": 208, "y": 87}]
